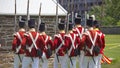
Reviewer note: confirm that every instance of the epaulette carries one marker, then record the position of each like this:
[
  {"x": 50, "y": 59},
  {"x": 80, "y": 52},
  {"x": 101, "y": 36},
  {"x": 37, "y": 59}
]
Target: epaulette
[
  {"x": 85, "y": 33},
  {"x": 56, "y": 35},
  {"x": 86, "y": 30},
  {"x": 15, "y": 34},
  {"x": 104, "y": 34},
  {"x": 74, "y": 29},
  {"x": 50, "y": 37},
  {"x": 40, "y": 34},
  {"x": 26, "y": 34},
  {"x": 67, "y": 35}
]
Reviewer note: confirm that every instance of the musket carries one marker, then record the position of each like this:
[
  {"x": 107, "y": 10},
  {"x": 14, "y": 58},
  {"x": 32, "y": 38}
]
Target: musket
[
  {"x": 15, "y": 17},
  {"x": 15, "y": 29},
  {"x": 85, "y": 27},
  {"x": 85, "y": 14},
  {"x": 69, "y": 57},
  {"x": 56, "y": 17},
  {"x": 27, "y": 25},
  {"x": 39, "y": 20},
  {"x": 28, "y": 16},
  {"x": 67, "y": 26},
  {"x": 72, "y": 17},
  {"x": 56, "y": 25}
]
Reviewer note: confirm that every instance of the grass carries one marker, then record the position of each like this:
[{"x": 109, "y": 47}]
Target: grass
[{"x": 112, "y": 50}]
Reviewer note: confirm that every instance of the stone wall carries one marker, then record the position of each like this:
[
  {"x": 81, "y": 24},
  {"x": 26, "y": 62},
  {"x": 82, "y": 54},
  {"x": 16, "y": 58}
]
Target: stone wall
[
  {"x": 110, "y": 30},
  {"x": 7, "y": 27}
]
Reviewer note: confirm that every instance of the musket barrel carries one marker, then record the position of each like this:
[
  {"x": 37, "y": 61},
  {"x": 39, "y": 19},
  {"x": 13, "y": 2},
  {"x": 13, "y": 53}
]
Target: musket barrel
[
  {"x": 15, "y": 18},
  {"x": 39, "y": 20},
  {"x": 27, "y": 14},
  {"x": 56, "y": 17}
]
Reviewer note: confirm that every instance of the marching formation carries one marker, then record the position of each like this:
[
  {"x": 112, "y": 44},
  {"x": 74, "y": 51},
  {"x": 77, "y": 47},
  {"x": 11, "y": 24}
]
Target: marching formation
[{"x": 82, "y": 45}]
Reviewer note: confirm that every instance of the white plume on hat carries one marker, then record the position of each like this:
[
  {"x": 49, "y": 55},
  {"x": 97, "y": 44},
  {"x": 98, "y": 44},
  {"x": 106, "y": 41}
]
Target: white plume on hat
[{"x": 93, "y": 16}]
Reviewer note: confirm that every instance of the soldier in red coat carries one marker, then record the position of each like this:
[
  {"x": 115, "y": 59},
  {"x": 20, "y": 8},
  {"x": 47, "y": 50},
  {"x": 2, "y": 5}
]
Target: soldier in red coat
[
  {"x": 72, "y": 42},
  {"x": 48, "y": 47},
  {"x": 59, "y": 47},
  {"x": 102, "y": 36},
  {"x": 34, "y": 44},
  {"x": 16, "y": 44},
  {"x": 79, "y": 30},
  {"x": 93, "y": 45}
]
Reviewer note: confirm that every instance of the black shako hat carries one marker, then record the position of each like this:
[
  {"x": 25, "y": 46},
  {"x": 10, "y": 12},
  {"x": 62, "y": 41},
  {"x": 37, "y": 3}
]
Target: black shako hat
[
  {"x": 78, "y": 19},
  {"x": 61, "y": 25},
  {"x": 90, "y": 23},
  {"x": 96, "y": 24},
  {"x": 70, "y": 27},
  {"x": 42, "y": 27},
  {"x": 22, "y": 23},
  {"x": 31, "y": 23}
]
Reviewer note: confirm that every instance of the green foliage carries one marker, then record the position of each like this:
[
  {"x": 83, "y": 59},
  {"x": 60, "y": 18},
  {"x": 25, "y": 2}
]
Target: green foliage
[
  {"x": 118, "y": 23},
  {"x": 112, "y": 50},
  {"x": 108, "y": 20},
  {"x": 109, "y": 13}
]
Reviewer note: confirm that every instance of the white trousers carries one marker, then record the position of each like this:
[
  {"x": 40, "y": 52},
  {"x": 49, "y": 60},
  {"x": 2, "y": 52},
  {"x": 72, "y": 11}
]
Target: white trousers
[
  {"x": 73, "y": 61},
  {"x": 17, "y": 60},
  {"x": 80, "y": 59},
  {"x": 90, "y": 62},
  {"x": 45, "y": 61},
  {"x": 27, "y": 61},
  {"x": 62, "y": 60},
  {"x": 99, "y": 61}
]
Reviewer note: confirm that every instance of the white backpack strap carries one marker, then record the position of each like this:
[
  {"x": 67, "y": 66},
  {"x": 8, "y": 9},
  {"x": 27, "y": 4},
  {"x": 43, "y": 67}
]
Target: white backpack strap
[
  {"x": 72, "y": 40},
  {"x": 19, "y": 37},
  {"x": 80, "y": 34},
  {"x": 33, "y": 44},
  {"x": 95, "y": 38},
  {"x": 19, "y": 47},
  {"x": 46, "y": 41},
  {"x": 92, "y": 40},
  {"x": 46, "y": 38},
  {"x": 72, "y": 46},
  {"x": 60, "y": 44}
]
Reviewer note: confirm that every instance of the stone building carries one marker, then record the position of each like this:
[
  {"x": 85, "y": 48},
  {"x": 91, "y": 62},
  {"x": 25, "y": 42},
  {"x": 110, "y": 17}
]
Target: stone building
[
  {"x": 7, "y": 16},
  {"x": 78, "y": 6}
]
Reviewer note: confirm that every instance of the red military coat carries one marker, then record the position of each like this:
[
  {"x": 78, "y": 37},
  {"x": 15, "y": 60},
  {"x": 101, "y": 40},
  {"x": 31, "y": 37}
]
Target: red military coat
[
  {"x": 102, "y": 36},
  {"x": 27, "y": 42},
  {"x": 49, "y": 44},
  {"x": 68, "y": 43},
  {"x": 16, "y": 43},
  {"x": 79, "y": 31},
  {"x": 89, "y": 44},
  {"x": 57, "y": 41}
]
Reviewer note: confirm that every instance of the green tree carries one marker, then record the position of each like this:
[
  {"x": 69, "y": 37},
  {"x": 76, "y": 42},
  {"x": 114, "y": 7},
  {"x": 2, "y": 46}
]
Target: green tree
[{"x": 108, "y": 13}]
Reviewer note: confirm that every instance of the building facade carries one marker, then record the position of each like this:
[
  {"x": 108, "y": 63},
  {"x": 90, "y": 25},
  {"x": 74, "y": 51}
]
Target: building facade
[{"x": 79, "y": 6}]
